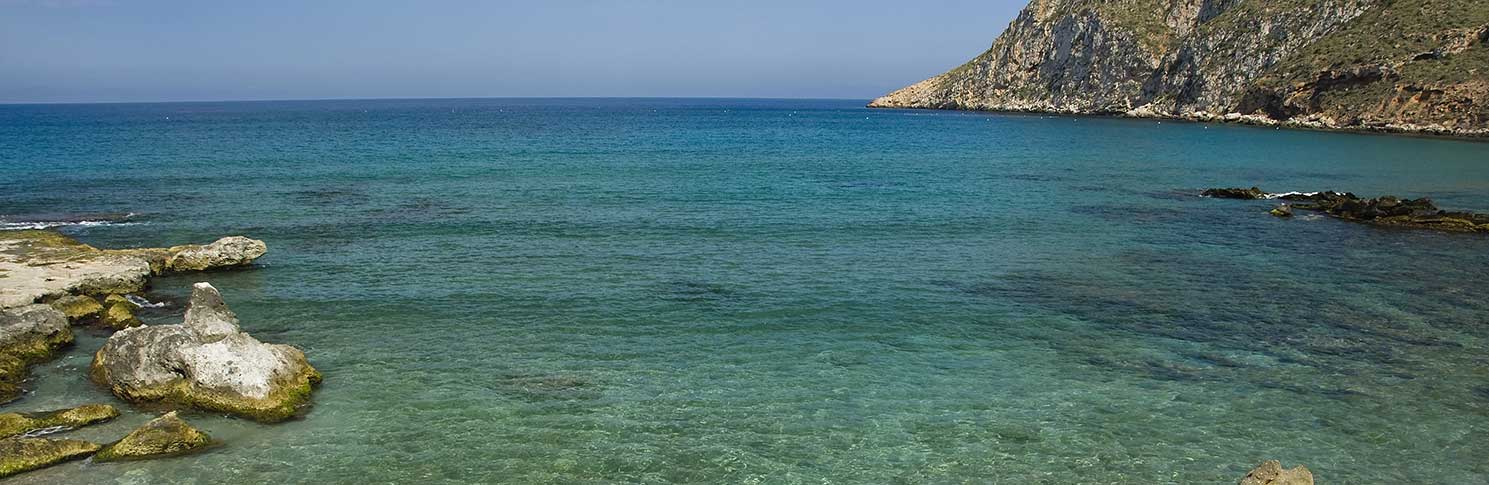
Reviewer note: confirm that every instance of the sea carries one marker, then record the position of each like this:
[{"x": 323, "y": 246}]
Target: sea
[{"x": 768, "y": 291}]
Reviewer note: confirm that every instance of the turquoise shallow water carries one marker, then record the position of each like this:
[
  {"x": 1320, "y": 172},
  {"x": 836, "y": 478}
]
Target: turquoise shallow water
[{"x": 758, "y": 291}]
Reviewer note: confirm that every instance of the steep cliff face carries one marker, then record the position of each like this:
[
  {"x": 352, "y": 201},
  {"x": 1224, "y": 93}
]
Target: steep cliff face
[{"x": 1396, "y": 65}]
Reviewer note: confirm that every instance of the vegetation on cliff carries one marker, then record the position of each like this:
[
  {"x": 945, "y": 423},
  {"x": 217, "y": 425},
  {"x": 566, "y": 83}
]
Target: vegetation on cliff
[{"x": 1407, "y": 65}]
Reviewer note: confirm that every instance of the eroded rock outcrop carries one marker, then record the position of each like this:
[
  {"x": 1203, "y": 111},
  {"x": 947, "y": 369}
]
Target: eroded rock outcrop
[
  {"x": 167, "y": 435},
  {"x": 28, "y": 335},
  {"x": 206, "y": 362},
  {"x": 1338, "y": 64},
  {"x": 25, "y": 454},
  {"x": 12, "y": 424},
  {"x": 1272, "y": 473}
]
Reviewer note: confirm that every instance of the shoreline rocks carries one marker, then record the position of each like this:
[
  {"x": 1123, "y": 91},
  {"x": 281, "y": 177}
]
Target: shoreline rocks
[
  {"x": 206, "y": 362},
  {"x": 1381, "y": 211},
  {"x": 28, "y": 335},
  {"x": 12, "y": 424},
  {"x": 46, "y": 267},
  {"x": 167, "y": 435}
]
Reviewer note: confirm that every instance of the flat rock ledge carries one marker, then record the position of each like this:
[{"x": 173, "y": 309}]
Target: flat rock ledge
[
  {"x": 1381, "y": 211},
  {"x": 1272, "y": 473},
  {"x": 12, "y": 424},
  {"x": 25, "y": 454},
  {"x": 206, "y": 362},
  {"x": 168, "y": 435},
  {"x": 42, "y": 266}
]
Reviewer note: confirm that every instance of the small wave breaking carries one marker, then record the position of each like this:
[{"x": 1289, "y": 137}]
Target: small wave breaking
[
  {"x": 143, "y": 303},
  {"x": 1280, "y": 195},
  {"x": 82, "y": 220}
]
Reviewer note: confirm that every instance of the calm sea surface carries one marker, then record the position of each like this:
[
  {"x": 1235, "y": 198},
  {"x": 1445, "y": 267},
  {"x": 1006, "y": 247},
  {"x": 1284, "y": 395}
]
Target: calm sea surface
[{"x": 772, "y": 291}]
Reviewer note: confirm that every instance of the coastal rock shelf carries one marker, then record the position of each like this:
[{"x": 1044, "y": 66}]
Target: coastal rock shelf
[
  {"x": 1382, "y": 211},
  {"x": 41, "y": 267},
  {"x": 206, "y": 362}
]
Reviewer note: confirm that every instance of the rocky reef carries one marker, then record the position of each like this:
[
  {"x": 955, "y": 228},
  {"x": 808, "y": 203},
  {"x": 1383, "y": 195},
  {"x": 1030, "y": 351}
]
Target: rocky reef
[
  {"x": 12, "y": 424},
  {"x": 1272, "y": 473},
  {"x": 1382, "y": 211},
  {"x": 206, "y": 362},
  {"x": 48, "y": 279},
  {"x": 167, "y": 435},
  {"x": 1372, "y": 65}
]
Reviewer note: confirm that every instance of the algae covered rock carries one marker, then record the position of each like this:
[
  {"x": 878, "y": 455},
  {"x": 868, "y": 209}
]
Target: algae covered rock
[
  {"x": 80, "y": 309},
  {"x": 162, "y": 436},
  {"x": 206, "y": 362},
  {"x": 120, "y": 313},
  {"x": 223, "y": 253},
  {"x": 1272, "y": 473},
  {"x": 1235, "y": 193},
  {"x": 25, "y": 454},
  {"x": 1282, "y": 210},
  {"x": 28, "y": 335},
  {"x": 12, "y": 424}
]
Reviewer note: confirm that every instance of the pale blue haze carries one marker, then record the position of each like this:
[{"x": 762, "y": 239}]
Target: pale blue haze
[
  {"x": 153, "y": 50},
  {"x": 767, "y": 291}
]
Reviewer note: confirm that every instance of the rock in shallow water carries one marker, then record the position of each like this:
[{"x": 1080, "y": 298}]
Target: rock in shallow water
[
  {"x": 79, "y": 309},
  {"x": 28, "y": 335},
  {"x": 1235, "y": 193},
  {"x": 120, "y": 313},
  {"x": 223, "y": 253},
  {"x": 206, "y": 362},
  {"x": 1272, "y": 473},
  {"x": 12, "y": 424},
  {"x": 25, "y": 454},
  {"x": 163, "y": 436}
]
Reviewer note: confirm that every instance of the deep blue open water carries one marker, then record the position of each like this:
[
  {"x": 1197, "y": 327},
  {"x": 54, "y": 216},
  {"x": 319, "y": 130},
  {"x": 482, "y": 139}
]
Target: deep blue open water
[{"x": 786, "y": 291}]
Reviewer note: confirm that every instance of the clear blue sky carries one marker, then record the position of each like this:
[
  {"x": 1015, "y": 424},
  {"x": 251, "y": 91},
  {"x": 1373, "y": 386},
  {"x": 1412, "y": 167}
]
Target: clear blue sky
[{"x": 123, "y": 50}]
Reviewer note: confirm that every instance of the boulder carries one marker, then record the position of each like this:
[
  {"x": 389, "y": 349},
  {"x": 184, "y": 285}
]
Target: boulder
[
  {"x": 80, "y": 309},
  {"x": 224, "y": 253},
  {"x": 25, "y": 454},
  {"x": 120, "y": 313},
  {"x": 1235, "y": 193},
  {"x": 1272, "y": 473},
  {"x": 163, "y": 436},
  {"x": 12, "y": 424},
  {"x": 28, "y": 335},
  {"x": 1282, "y": 210},
  {"x": 207, "y": 362}
]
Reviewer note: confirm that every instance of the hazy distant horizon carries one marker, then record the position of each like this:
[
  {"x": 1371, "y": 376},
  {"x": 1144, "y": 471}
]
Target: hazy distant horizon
[
  {"x": 438, "y": 98},
  {"x": 100, "y": 51}
]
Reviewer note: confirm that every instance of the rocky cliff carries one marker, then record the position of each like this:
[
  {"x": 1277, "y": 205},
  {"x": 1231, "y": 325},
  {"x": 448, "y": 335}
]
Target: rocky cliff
[{"x": 1381, "y": 65}]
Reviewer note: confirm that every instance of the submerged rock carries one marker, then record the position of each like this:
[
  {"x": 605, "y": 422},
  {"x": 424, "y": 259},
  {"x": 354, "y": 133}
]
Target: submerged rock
[
  {"x": 163, "y": 436},
  {"x": 1272, "y": 473},
  {"x": 12, "y": 424},
  {"x": 120, "y": 313},
  {"x": 206, "y": 362},
  {"x": 25, "y": 454},
  {"x": 1234, "y": 193},
  {"x": 80, "y": 309},
  {"x": 28, "y": 335}
]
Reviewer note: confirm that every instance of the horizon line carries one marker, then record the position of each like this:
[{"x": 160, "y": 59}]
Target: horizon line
[{"x": 411, "y": 98}]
